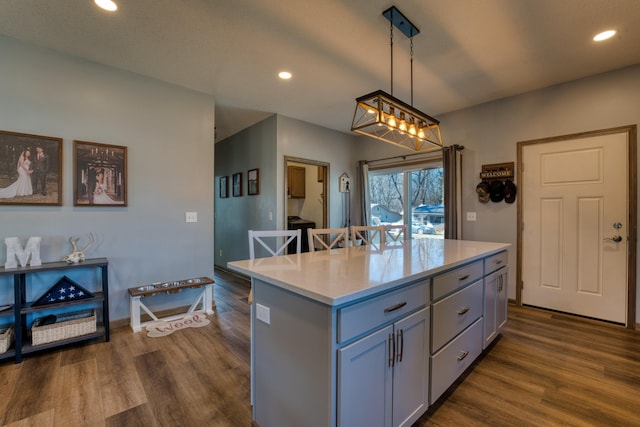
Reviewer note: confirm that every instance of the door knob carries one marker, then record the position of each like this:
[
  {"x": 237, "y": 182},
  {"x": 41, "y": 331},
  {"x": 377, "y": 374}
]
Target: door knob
[{"x": 615, "y": 238}]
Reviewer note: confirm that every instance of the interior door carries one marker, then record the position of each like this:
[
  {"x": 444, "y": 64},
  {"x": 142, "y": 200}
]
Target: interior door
[{"x": 574, "y": 235}]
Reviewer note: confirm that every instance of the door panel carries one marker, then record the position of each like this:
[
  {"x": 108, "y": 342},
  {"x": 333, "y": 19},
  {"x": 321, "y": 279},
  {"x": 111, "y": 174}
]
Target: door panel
[
  {"x": 575, "y": 191},
  {"x": 365, "y": 381}
]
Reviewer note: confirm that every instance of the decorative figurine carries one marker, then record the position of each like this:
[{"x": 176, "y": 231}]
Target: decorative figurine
[{"x": 76, "y": 255}]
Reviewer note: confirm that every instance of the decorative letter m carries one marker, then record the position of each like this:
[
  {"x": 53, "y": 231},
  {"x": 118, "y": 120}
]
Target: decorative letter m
[{"x": 15, "y": 250}]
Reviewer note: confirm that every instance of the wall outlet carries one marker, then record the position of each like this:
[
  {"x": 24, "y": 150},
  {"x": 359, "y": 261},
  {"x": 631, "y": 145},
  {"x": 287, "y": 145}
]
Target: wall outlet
[
  {"x": 471, "y": 216},
  {"x": 191, "y": 216},
  {"x": 263, "y": 313}
]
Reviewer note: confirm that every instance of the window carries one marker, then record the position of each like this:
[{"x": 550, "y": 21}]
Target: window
[{"x": 417, "y": 189}]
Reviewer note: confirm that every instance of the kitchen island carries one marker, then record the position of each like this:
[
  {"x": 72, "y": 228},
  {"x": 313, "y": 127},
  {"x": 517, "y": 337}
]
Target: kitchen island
[{"x": 366, "y": 335}]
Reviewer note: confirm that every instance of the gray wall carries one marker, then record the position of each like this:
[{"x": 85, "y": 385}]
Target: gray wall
[
  {"x": 308, "y": 141},
  {"x": 252, "y": 148},
  {"x": 490, "y": 133},
  {"x": 169, "y": 134},
  {"x": 265, "y": 145}
]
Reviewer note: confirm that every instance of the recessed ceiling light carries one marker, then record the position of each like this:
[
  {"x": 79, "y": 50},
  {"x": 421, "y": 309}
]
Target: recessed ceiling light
[
  {"x": 604, "y": 35},
  {"x": 109, "y": 5},
  {"x": 284, "y": 75}
]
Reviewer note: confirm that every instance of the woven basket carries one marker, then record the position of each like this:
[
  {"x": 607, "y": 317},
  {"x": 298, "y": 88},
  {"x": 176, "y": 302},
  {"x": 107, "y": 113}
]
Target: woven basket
[
  {"x": 6, "y": 337},
  {"x": 68, "y": 325}
]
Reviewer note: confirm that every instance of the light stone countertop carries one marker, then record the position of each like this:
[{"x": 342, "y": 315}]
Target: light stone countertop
[{"x": 341, "y": 276}]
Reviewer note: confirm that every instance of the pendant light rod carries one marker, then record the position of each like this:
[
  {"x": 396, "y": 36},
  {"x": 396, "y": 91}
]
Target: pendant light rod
[{"x": 391, "y": 46}]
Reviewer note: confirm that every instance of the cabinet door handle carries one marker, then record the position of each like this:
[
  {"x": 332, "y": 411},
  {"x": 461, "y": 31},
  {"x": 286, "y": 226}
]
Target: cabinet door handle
[
  {"x": 463, "y": 355},
  {"x": 400, "y": 340},
  {"x": 395, "y": 307},
  {"x": 463, "y": 311},
  {"x": 465, "y": 277},
  {"x": 392, "y": 349}
]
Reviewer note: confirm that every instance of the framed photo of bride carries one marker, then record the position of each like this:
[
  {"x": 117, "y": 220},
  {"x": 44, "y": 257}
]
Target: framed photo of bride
[
  {"x": 99, "y": 174},
  {"x": 30, "y": 169}
]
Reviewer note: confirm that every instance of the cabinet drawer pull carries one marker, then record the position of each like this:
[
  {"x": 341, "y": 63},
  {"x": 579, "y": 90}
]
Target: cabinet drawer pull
[
  {"x": 400, "y": 341},
  {"x": 498, "y": 261},
  {"x": 463, "y": 311},
  {"x": 391, "y": 347},
  {"x": 395, "y": 307},
  {"x": 465, "y": 277},
  {"x": 463, "y": 355}
]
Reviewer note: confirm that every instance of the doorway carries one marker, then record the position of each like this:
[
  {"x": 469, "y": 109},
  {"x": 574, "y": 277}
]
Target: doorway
[
  {"x": 577, "y": 224},
  {"x": 306, "y": 201}
]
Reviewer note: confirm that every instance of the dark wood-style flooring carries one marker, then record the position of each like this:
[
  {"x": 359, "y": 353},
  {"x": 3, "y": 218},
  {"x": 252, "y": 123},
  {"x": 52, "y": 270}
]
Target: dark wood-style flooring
[{"x": 547, "y": 369}]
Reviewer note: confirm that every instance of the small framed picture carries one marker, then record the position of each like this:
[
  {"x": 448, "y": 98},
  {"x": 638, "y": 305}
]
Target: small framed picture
[
  {"x": 253, "y": 182},
  {"x": 30, "y": 169},
  {"x": 224, "y": 187},
  {"x": 100, "y": 174},
  {"x": 237, "y": 184}
]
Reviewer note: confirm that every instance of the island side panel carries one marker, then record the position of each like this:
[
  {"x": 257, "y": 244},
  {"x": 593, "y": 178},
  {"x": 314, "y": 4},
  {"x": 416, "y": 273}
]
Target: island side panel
[{"x": 293, "y": 356}]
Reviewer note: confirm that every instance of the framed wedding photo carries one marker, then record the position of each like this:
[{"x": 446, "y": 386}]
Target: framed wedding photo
[
  {"x": 30, "y": 169},
  {"x": 99, "y": 174},
  {"x": 224, "y": 187},
  {"x": 253, "y": 182},
  {"x": 237, "y": 184}
]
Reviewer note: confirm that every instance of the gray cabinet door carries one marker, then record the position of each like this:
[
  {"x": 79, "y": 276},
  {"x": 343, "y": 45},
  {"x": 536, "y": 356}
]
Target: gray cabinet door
[
  {"x": 365, "y": 381},
  {"x": 489, "y": 314},
  {"x": 502, "y": 301},
  {"x": 411, "y": 370}
]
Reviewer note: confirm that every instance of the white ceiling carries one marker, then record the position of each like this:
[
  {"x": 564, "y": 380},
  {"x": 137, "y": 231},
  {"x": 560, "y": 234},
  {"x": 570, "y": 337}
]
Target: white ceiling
[{"x": 468, "y": 51}]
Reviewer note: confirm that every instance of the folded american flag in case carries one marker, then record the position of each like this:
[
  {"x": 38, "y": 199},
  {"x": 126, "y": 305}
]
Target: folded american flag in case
[{"x": 63, "y": 291}]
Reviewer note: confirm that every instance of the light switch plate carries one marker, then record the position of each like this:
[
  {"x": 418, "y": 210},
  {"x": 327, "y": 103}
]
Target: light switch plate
[{"x": 191, "y": 216}]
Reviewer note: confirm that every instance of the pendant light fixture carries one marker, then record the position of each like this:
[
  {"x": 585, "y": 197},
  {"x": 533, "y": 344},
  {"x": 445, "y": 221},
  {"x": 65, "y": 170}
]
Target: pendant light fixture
[{"x": 382, "y": 116}]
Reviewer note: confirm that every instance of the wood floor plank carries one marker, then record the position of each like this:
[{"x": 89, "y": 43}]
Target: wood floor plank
[
  {"x": 547, "y": 369},
  {"x": 43, "y": 419},
  {"x": 141, "y": 415},
  {"x": 77, "y": 395},
  {"x": 119, "y": 382},
  {"x": 33, "y": 392}
]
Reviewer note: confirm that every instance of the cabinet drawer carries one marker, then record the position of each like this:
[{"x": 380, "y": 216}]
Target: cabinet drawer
[
  {"x": 367, "y": 315},
  {"x": 450, "y": 281},
  {"x": 495, "y": 262},
  {"x": 450, "y": 362},
  {"x": 454, "y": 313}
]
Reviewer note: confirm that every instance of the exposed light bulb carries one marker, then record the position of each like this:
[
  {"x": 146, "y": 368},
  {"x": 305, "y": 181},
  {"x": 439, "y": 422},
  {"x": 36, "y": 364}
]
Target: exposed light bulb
[
  {"x": 109, "y": 5},
  {"x": 403, "y": 123},
  {"x": 421, "y": 134},
  {"x": 392, "y": 118},
  {"x": 285, "y": 75}
]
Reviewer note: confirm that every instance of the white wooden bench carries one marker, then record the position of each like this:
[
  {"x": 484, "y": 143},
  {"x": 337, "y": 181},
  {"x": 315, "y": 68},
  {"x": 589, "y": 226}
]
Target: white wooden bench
[{"x": 204, "y": 299}]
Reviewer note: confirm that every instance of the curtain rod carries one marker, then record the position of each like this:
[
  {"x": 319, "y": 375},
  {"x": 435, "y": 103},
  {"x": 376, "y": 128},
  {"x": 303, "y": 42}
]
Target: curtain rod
[{"x": 404, "y": 157}]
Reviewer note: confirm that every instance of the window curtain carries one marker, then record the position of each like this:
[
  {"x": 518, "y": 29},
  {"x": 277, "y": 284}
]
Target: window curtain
[
  {"x": 365, "y": 203},
  {"x": 452, "y": 165}
]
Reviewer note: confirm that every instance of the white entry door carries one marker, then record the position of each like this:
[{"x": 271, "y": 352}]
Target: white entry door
[{"x": 574, "y": 236}]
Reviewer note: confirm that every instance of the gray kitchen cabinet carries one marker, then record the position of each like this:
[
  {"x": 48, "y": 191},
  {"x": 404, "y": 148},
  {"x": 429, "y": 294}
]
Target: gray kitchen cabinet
[
  {"x": 495, "y": 304},
  {"x": 383, "y": 378}
]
